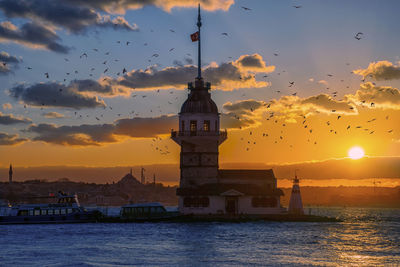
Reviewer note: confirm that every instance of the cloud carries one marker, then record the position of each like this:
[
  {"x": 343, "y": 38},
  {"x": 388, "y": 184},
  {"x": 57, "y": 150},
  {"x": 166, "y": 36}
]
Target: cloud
[
  {"x": 6, "y": 60},
  {"x": 226, "y": 76},
  {"x": 146, "y": 127},
  {"x": 323, "y": 82},
  {"x": 53, "y": 115},
  {"x": 82, "y": 135},
  {"x": 385, "y": 97},
  {"x": 253, "y": 63},
  {"x": 32, "y": 35},
  {"x": 7, "y": 106},
  {"x": 8, "y": 119},
  {"x": 74, "y": 18},
  {"x": 98, "y": 134},
  {"x": 10, "y": 139},
  {"x": 54, "y": 94},
  {"x": 380, "y": 70},
  {"x": 5, "y": 57},
  {"x": 242, "y": 114},
  {"x": 120, "y": 6}
]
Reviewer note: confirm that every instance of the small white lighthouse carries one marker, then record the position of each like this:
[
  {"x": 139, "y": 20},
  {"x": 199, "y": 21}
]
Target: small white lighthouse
[{"x": 295, "y": 204}]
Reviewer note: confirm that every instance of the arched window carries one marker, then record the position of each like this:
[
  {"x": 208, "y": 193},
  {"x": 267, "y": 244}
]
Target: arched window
[{"x": 182, "y": 126}]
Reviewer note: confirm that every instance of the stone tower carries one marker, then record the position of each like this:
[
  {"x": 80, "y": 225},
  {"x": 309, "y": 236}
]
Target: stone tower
[
  {"x": 199, "y": 135},
  {"x": 10, "y": 174}
]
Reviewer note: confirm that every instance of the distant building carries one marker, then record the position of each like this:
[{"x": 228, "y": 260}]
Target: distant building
[
  {"x": 203, "y": 188},
  {"x": 10, "y": 174}
]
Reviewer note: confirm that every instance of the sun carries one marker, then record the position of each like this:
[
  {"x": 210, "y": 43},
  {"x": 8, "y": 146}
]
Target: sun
[{"x": 356, "y": 152}]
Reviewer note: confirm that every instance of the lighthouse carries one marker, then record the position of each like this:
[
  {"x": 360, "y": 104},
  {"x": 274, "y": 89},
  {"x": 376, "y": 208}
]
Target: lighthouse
[
  {"x": 204, "y": 189},
  {"x": 295, "y": 203}
]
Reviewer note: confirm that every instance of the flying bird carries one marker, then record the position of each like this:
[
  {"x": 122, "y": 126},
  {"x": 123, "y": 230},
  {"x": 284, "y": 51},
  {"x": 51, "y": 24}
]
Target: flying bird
[
  {"x": 246, "y": 8},
  {"x": 359, "y": 35},
  {"x": 224, "y": 33},
  {"x": 297, "y": 6}
]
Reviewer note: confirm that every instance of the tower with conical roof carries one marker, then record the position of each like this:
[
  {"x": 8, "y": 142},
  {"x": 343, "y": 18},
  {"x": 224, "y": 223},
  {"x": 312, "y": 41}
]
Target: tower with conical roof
[
  {"x": 296, "y": 204},
  {"x": 204, "y": 189},
  {"x": 199, "y": 132}
]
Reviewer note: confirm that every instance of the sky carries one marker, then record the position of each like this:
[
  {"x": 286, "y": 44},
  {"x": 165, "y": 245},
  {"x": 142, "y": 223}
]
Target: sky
[{"x": 100, "y": 83}]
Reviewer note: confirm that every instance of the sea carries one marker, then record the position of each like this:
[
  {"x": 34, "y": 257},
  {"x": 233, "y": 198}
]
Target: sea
[{"x": 365, "y": 237}]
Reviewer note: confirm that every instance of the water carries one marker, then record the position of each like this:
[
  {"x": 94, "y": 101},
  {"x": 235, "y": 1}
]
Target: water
[{"x": 369, "y": 237}]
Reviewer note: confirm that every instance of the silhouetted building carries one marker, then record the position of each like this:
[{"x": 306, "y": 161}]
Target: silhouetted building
[
  {"x": 203, "y": 188},
  {"x": 10, "y": 174}
]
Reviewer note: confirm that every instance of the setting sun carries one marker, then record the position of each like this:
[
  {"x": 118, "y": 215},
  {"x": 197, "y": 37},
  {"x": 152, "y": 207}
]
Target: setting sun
[{"x": 356, "y": 152}]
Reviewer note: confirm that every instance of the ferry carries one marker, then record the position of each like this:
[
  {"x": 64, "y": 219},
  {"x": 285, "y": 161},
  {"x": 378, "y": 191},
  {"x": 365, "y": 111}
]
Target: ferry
[
  {"x": 66, "y": 210},
  {"x": 147, "y": 212}
]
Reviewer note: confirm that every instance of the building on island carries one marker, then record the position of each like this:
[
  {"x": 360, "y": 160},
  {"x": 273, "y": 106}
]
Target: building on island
[{"x": 204, "y": 189}]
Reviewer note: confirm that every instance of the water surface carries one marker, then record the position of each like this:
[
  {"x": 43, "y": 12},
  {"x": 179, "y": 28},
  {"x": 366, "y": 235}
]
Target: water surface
[{"x": 365, "y": 237}]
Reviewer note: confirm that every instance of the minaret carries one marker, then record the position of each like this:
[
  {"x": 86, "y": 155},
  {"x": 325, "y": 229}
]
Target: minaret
[
  {"x": 10, "y": 174},
  {"x": 199, "y": 135},
  {"x": 295, "y": 204},
  {"x": 142, "y": 178}
]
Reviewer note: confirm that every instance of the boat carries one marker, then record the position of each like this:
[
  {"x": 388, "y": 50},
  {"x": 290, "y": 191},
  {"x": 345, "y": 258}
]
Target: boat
[
  {"x": 153, "y": 211},
  {"x": 66, "y": 210}
]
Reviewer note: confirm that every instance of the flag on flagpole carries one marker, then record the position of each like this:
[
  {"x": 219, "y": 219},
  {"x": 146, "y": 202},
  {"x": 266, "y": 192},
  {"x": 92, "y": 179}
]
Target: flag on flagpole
[{"x": 194, "y": 36}]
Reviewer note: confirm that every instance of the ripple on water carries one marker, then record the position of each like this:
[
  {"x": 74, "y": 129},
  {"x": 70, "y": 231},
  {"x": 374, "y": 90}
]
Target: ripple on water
[{"x": 365, "y": 237}]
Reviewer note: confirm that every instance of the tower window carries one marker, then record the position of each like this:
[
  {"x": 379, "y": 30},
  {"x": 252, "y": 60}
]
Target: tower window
[
  {"x": 206, "y": 126},
  {"x": 193, "y": 126},
  {"x": 216, "y": 126},
  {"x": 182, "y": 126}
]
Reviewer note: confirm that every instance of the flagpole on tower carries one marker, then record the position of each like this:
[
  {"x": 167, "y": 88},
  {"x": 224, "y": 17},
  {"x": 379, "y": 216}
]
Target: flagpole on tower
[{"x": 199, "y": 52}]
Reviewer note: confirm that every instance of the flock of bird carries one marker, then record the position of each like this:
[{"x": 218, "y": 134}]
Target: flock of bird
[{"x": 272, "y": 117}]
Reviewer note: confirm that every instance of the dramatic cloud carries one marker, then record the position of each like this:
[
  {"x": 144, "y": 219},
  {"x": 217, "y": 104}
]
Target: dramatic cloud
[
  {"x": 10, "y": 139},
  {"x": 227, "y": 76},
  {"x": 74, "y": 18},
  {"x": 381, "y": 70},
  {"x": 376, "y": 96},
  {"x": 56, "y": 95},
  {"x": 32, "y": 35},
  {"x": 53, "y": 115},
  {"x": 8, "y": 119},
  {"x": 120, "y": 6}
]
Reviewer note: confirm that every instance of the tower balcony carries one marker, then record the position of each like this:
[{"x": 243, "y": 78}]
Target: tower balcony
[{"x": 199, "y": 136}]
